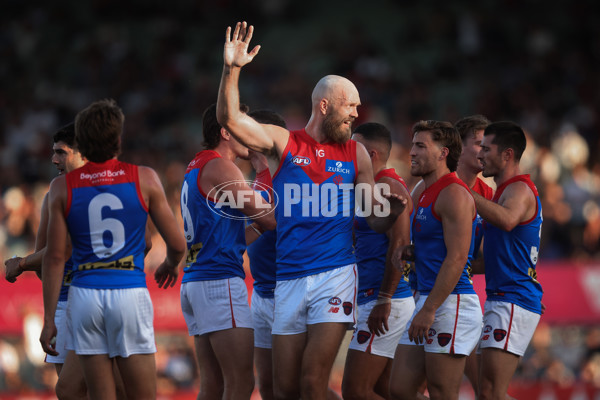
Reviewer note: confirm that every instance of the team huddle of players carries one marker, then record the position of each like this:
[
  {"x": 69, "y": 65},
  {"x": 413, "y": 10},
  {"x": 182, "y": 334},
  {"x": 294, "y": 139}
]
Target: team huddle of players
[{"x": 394, "y": 266}]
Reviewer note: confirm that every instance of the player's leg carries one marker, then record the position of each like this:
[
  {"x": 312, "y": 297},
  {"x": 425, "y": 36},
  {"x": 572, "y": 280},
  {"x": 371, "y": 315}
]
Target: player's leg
[
  {"x": 361, "y": 374},
  {"x": 138, "y": 372},
  {"x": 262, "y": 320},
  {"x": 382, "y": 386},
  {"x": 233, "y": 349},
  {"x": 99, "y": 379},
  {"x": 120, "y": 385},
  {"x": 71, "y": 383},
  {"x": 444, "y": 375},
  {"x": 408, "y": 372},
  {"x": 130, "y": 336},
  {"x": 263, "y": 360},
  {"x": 497, "y": 369},
  {"x": 209, "y": 370},
  {"x": 507, "y": 331},
  {"x": 450, "y": 340},
  {"x": 322, "y": 345},
  {"x": 287, "y": 365},
  {"x": 472, "y": 371}
]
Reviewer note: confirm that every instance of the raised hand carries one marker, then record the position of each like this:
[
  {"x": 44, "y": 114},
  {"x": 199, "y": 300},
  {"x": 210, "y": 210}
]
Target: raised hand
[{"x": 235, "y": 53}]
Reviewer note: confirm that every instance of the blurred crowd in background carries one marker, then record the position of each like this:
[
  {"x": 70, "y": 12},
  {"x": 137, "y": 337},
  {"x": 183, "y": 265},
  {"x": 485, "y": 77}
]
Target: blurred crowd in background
[{"x": 532, "y": 62}]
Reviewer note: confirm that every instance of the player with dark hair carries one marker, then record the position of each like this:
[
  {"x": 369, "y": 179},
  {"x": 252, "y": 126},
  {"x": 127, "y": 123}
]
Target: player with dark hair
[
  {"x": 104, "y": 206},
  {"x": 512, "y": 229},
  {"x": 448, "y": 308},
  {"x": 385, "y": 302},
  {"x": 214, "y": 298}
]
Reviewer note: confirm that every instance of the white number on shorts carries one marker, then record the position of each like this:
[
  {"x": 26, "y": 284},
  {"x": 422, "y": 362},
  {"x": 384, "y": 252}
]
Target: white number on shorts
[
  {"x": 99, "y": 226},
  {"x": 188, "y": 226}
]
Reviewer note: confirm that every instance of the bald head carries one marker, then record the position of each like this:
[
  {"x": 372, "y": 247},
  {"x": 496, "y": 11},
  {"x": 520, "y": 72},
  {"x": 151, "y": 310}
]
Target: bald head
[{"x": 333, "y": 87}]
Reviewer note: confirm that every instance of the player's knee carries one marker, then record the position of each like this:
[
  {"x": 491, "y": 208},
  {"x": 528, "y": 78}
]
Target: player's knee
[
  {"x": 265, "y": 387},
  {"x": 401, "y": 392},
  {"x": 280, "y": 393},
  {"x": 353, "y": 390},
  {"x": 70, "y": 390}
]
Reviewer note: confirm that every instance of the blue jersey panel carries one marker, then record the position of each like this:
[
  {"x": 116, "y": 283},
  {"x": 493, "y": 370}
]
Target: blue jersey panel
[
  {"x": 511, "y": 258},
  {"x": 214, "y": 233},
  {"x": 315, "y": 188},
  {"x": 107, "y": 224}
]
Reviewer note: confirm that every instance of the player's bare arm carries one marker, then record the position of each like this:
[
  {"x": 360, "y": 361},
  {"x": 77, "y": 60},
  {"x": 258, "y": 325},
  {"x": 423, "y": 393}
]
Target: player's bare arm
[
  {"x": 517, "y": 204},
  {"x": 54, "y": 260},
  {"x": 457, "y": 225},
  {"x": 397, "y": 203},
  {"x": 399, "y": 236},
  {"x": 258, "y": 137},
  {"x": 227, "y": 176},
  {"x": 166, "y": 224}
]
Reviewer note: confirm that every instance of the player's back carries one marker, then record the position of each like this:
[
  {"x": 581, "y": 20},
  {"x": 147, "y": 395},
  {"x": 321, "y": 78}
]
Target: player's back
[
  {"x": 214, "y": 232},
  {"x": 106, "y": 218}
]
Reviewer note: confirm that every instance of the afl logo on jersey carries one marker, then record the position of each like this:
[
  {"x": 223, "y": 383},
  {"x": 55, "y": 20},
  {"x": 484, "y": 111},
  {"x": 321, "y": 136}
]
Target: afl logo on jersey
[{"x": 301, "y": 161}]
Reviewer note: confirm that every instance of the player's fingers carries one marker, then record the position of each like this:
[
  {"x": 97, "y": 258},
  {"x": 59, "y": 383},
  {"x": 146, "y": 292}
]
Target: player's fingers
[
  {"x": 243, "y": 31},
  {"x": 249, "y": 34},
  {"x": 254, "y": 51},
  {"x": 236, "y": 31}
]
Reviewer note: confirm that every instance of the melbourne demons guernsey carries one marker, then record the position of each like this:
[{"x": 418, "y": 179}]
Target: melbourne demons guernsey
[
  {"x": 511, "y": 257},
  {"x": 261, "y": 252},
  {"x": 371, "y": 250},
  {"x": 486, "y": 191},
  {"x": 428, "y": 238},
  {"x": 315, "y": 189},
  {"x": 106, "y": 217},
  {"x": 214, "y": 232}
]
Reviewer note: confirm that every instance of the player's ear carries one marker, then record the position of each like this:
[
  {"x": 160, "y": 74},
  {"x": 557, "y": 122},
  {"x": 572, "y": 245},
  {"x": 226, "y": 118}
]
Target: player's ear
[
  {"x": 225, "y": 135},
  {"x": 323, "y": 105},
  {"x": 444, "y": 153},
  {"x": 508, "y": 154}
]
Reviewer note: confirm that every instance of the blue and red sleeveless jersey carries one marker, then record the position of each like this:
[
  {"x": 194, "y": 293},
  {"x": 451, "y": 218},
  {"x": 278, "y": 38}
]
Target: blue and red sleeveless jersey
[
  {"x": 315, "y": 187},
  {"x": 428, "y": 238},
  {"x": 511, "y": 257},
  {"x": 106, "y": 217},
  {"x": 214, "y": 232},
  {"x": 261, "y": 253},
  {"x": 487, "y": 192},
  {"x": 371, "y": 250}
]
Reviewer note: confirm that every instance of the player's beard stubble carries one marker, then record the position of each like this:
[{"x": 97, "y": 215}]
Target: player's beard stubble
[{"x": 335, "y": 130}]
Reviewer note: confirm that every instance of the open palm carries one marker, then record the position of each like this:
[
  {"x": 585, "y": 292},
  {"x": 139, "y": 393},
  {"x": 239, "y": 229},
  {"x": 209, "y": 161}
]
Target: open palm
[{"x": 235, "y": 53}]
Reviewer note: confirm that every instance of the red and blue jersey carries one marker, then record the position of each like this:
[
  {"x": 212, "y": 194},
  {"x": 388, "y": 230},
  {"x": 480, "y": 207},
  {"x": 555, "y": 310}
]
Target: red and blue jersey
[
  {"x": 315, "y": 187},
  {"x": 487, "y": 192},
  {"x": 371, "y": 251},
  {"x": 106, "y": 217},
  {"x": 428, "y": 238},
  {"x": 214, "y": 232},
  {"x": 511, "y": 257},
  {"x": 261, "y": 253}
]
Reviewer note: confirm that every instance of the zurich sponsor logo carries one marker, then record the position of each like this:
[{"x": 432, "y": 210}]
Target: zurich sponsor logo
[
  {"x": 301, "y": 161},
  {"x": 338, "y": 167}
]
